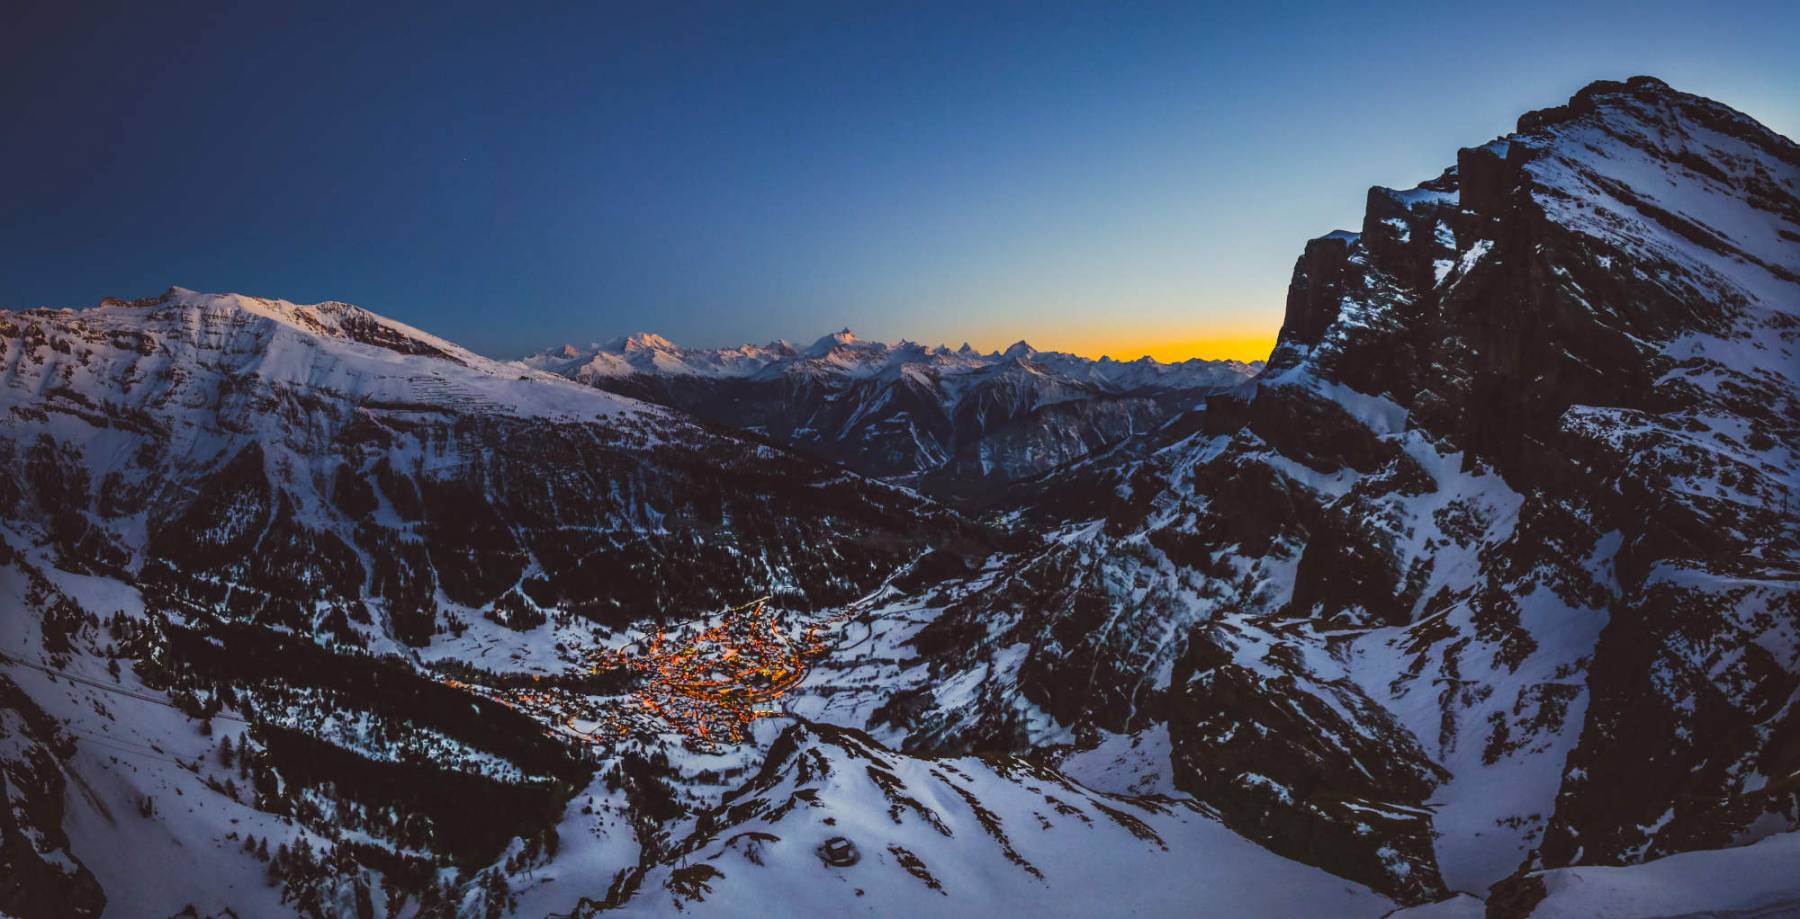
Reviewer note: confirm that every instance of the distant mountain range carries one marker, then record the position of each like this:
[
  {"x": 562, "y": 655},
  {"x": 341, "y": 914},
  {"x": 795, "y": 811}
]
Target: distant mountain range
[
  {"x": 958, "y": 423},
  {"x": 1481, "y": 598}
]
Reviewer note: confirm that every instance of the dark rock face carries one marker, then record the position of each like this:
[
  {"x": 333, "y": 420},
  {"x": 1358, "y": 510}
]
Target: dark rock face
[
  {"x": 1313, "y": 768},
  {"x": 1550, "y": 353},
  {"x": 1314, "y": 292},
  {"x": 39, "y": 879}
]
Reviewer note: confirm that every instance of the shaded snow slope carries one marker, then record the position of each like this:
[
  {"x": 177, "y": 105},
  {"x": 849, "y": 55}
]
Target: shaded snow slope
[{"x": 968, "y": 837}]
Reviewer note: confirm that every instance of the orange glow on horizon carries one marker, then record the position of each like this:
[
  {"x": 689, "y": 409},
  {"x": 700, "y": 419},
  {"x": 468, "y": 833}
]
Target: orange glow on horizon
[{"x": 1246, "y": 348}]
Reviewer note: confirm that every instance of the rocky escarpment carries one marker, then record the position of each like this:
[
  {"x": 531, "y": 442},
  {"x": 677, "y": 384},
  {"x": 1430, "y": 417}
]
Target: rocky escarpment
[
  {"x": 1545, "y": 310},
  {"x": 1557, "y": 309}
]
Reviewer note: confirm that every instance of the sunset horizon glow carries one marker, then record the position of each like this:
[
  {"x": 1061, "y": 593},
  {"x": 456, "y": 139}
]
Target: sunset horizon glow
[
  {"x": 1246, "y": 348},
  {"x": 1089, "y": 178}
]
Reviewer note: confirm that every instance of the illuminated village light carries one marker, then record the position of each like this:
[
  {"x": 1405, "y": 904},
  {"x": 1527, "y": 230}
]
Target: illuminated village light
[{"x": 710, "y": 687}]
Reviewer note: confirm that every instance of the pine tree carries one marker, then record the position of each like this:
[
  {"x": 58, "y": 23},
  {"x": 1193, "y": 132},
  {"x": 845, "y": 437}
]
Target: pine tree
[
  {"x": 497, "y": 894},
  {"x": 278, "y": 865}
]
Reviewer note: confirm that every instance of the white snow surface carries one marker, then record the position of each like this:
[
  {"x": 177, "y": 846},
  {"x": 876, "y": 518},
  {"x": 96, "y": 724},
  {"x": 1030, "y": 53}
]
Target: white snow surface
[{"x": 976, "y": 824}]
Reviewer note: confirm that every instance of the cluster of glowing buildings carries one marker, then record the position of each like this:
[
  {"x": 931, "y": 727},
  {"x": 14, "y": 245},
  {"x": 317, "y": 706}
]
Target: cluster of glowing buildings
[{"x": 710, "y": 686}]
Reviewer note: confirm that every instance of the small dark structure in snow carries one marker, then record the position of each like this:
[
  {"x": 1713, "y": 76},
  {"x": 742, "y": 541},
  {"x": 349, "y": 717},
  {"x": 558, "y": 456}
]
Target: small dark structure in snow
[{"x": 839, "y": 852}]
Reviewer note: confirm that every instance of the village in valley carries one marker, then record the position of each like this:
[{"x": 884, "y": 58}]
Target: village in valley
[{"x": 708, "y": 683}]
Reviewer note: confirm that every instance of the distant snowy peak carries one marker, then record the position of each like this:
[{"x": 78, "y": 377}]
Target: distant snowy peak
[
  {"x": 955, "y": 423},
  {"x": 649, "y": 353},
  {"x": 843, "y": 338},
  {"x": 645, "y": 341},
  {"x": 1019, "y": 350},
  {"x": 842, "y": 355}
]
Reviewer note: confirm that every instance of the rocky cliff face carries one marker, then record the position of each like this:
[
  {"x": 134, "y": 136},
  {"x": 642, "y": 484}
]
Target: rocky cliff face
[
  {"x": 1492, "y": 568},
  {"x": 1602, "y": 307}
]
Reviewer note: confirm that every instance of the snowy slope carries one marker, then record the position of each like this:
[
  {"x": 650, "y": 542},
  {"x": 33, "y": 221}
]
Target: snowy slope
[{"x": 968, "y": 837}]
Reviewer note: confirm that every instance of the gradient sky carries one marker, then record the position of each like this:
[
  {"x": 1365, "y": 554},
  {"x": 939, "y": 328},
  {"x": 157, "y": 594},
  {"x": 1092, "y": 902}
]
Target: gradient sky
[{"x": 1120, "y": 178}]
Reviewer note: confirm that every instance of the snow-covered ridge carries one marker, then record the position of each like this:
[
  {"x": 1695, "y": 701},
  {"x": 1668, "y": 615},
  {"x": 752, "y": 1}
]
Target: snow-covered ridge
[{"x": 151, "y": 348}]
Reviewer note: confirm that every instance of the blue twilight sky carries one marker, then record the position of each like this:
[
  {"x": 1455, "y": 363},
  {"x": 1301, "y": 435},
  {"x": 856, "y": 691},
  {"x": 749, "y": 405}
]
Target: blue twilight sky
[{"x": 1121, "y": 178}]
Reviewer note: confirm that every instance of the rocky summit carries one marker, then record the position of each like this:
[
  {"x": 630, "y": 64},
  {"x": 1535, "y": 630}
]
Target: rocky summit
[{"x": 1481, "y": 596}]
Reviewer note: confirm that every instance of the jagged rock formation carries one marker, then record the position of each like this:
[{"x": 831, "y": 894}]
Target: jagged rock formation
[{"x": 1492, "y": 568}]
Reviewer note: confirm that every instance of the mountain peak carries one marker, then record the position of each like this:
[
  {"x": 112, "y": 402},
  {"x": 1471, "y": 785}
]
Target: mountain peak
[
  {"x": 646, "y": 341},
  {"x": 826, "y": 344},
  {"x": 333, "y": 319},
  {"x": 1019, "y": 349}
]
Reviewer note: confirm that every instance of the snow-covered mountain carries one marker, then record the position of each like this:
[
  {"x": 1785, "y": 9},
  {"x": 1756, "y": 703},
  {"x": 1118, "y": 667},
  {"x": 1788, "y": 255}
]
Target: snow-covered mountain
[
  {"x": 364, "y": 459},
  {"x": 1493, "y": 569},
  {"x": 957, "y": 423},
  {"x": 1481, "y": 599}
]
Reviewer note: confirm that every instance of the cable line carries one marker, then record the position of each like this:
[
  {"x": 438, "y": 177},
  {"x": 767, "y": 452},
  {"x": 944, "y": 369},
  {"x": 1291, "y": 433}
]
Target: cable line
[{"x": 75, "y": 678}]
